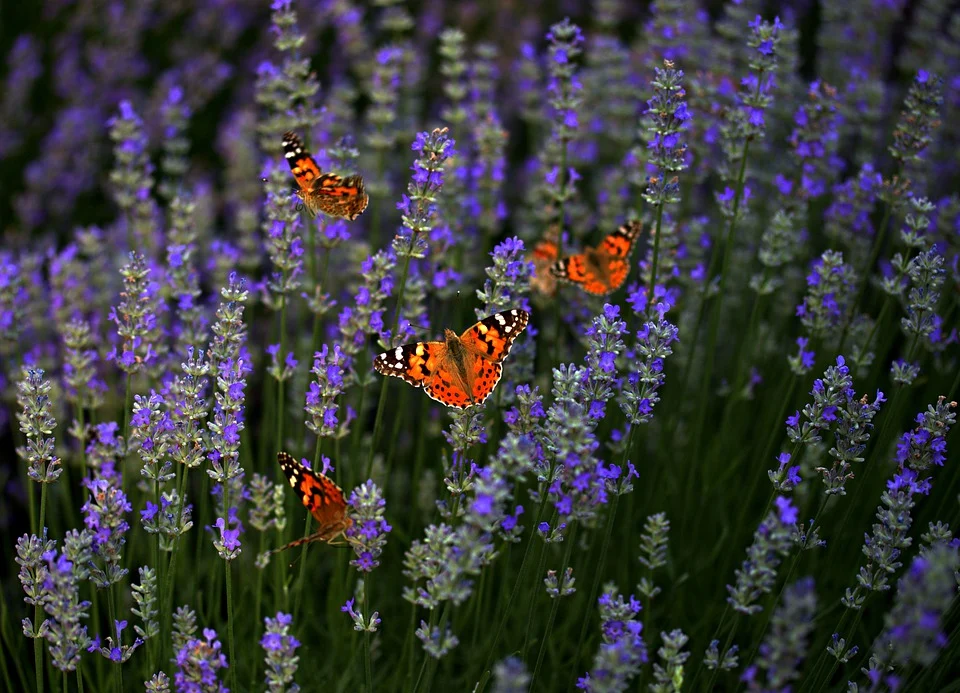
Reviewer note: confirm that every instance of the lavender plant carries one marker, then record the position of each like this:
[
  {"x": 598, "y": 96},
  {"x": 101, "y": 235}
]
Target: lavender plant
[{"x": 169, "y": 321}]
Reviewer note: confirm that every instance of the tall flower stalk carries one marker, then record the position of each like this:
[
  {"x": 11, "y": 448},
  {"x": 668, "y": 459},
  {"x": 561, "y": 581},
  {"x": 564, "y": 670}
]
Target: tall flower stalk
[{"x": 418, "y": 209}]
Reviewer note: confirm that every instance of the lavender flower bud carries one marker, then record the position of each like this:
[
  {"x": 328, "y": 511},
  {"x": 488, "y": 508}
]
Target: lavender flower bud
[
  {"x": 281, "y": 658},
  {"x": 361, "y": 624},
  {"x": 671, "y": 653},
  {"x": 782, "y": 651},
  {"x": 436, "y": 642},
  {"x": 174, "y": 164},
  {"x": 912, "y": 628},
  {"x": 184, "y": 626},
  {"x": 918, "y": 120},
  {"x": 145, "y": 595},
  {"x": 104, "y": 515},
  {"x": 136, "y": 318},
  {"x": 158, "y": 683},
  {"x": 758, "y": 574},
  {"x": 668, "y": 116},
  {"x": 198, "y": 662},
  {"x": 369, "y": 529},
  {"x": 67, "y": 638},
  {"x": 36, "y": 423},
  {"x": 33, "y": 574},
  {"x": 712, "y": 659},
  {"x": 830, "y": 295},
  {"x": 622, "y": 652},
  {"x": 321, "y": 398},
  {"x": 115, "y": 651},
  {"x": 510, "y": 676}
]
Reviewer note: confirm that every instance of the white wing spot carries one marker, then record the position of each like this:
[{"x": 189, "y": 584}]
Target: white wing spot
[
  {"x": 513, "y": 312},
  {"x": 508, "y": 328},
  {"x": 398, "y": 353},
  {"x": 500, "y": 319}
]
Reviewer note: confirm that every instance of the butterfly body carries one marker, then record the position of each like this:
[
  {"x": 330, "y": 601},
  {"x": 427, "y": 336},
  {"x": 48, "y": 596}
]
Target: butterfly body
[
  {"x": 321, "y": 496},
  {"x": 462, "y": 370},
  {"x": 604, "y": 269},
  {"x": 323, "y": 192}
]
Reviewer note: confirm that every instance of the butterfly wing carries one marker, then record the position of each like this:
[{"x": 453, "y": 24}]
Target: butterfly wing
[
  {"x": 302, "y": 164},
  {"x": 338, "y": 197},
  {"x": 543, "y": 256},
  {"x": 487, "y": 344},
  {"x": 611, "y": 258},
  {"x": 318, "y": 493},
  {"x": 576, "y": 270},
  {"x": 323, "y": 192},
  {"x": 415, "y": 363}
]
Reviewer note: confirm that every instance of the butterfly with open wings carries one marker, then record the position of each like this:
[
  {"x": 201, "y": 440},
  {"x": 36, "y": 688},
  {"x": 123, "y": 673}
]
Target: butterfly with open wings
[{"x": 462, "y": 370}]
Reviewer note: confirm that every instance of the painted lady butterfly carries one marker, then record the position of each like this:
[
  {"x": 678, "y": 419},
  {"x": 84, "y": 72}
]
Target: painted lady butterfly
[
  {"x": 543, "y": 256},
  {"x": 604, "y": 269},
  {"x": 323, "y": 192},
  {"x": 461, "y": 370},
  {"x": 323, "y": 498}
]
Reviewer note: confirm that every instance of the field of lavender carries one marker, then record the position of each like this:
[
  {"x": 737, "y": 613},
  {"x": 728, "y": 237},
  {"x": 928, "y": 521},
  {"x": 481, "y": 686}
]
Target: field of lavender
[{"x": 722, "y": 240}]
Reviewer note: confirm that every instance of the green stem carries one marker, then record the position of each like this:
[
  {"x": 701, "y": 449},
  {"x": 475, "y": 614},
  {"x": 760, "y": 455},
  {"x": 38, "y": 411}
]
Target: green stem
[
  {"x": 127, "y": 407},
  {"x": 38, "y": 650},
  {"x": 43, "y": 505},
  {"x": 233, "y": 653},
  {"x": 718, "y": 305},
  {"x": 724, "y": 649},
  {"x": 281, "y": 365},
  {"x": 865, "y": 273},
  {"x": 367, "y": 670},
  {"x": 516, "y": 585},
  {"x": 656, "y": 252},
  {"x": 114, "y": 608},
  {"x": 541, "y": 564},
  {"x": 604, "y": 547},
  {"x": 426, "y": 656},
  {"x": 79, "y": 678},
  {"x": 555, "y": 606},
  {"x": 378, "y": 421}
]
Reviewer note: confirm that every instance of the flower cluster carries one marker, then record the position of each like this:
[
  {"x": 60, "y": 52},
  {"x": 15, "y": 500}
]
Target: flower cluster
[
  {"x": 646, "y": 373},
  {"x": 758, "y": 573},
  {"x": 199, "y": 663},
  {"x": 622, "y": 651},
  {"x": 136, "y": 318},
  {"x": 322, "y": 394},
  {"x": 36, "y": 423},
  {"x": 368, "y": 533},
  {"x": 785, "y": 646},
  {"x": 669, "y": 117},
  {"x": 830, "y": 294},
  {"x": 281, "y": 658}
]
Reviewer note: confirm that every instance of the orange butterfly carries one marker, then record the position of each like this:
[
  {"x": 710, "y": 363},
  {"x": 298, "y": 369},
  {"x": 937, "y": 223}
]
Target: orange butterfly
[
  {"x": 323, "y": 192},
  {"x": 604, "y": 269},
  {"x": 543, "y": 256},
  {"x": 321, "y": 496},
  {"x": 462, "y": 370}
]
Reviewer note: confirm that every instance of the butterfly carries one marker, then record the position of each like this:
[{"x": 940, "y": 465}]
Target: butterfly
[
  {"x": 321, "y": 496},
  {"x": 323, "y": 192},
  {"x": 543, "y": 256},
  {"x": 460, "y": 371},
  {"x": 604, "y": 269}
]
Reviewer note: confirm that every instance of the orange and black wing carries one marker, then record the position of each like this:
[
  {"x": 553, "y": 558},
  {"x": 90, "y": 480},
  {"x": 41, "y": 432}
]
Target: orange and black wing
[
  {"x": 302, "y": 163},
  {"x": 318, "y": 493},
  {"x": 338, "y": 197},
  {"x": 612, "y": 256},
  {"x": 487, "y": 343},
  {"x": 323, "y": 192}
]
